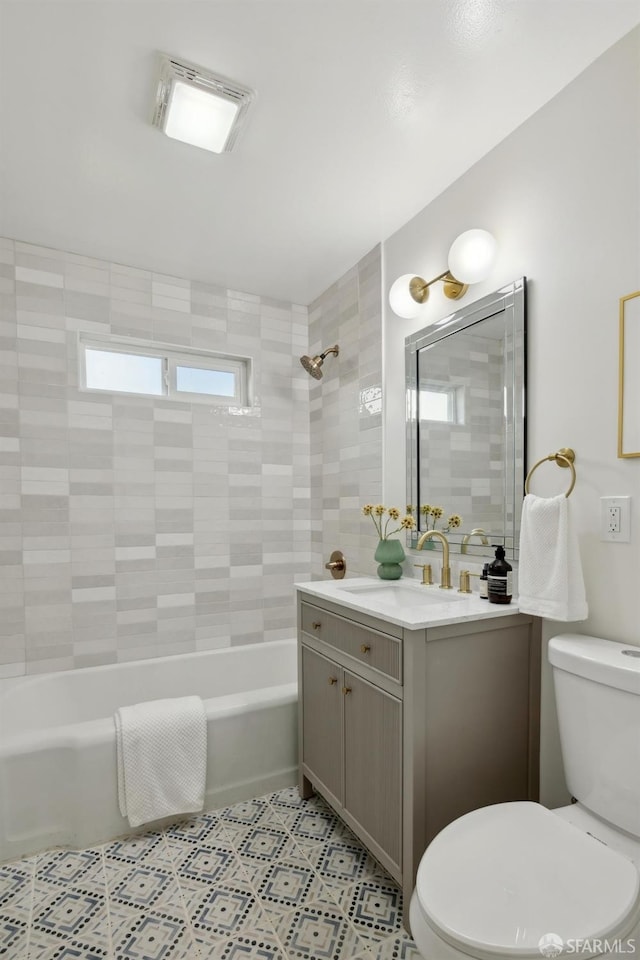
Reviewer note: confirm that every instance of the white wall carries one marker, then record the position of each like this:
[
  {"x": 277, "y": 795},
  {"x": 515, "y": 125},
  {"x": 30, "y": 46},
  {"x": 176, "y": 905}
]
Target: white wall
[{"x": 562, "y": 196}]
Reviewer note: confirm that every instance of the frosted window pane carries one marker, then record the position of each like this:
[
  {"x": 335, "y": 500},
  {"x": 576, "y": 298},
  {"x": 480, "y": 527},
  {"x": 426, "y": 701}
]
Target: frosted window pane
[
  {"x": 434, "y": 406},
  {"x": 124, "y": 372},
  {"x": 217, "y": 383}
]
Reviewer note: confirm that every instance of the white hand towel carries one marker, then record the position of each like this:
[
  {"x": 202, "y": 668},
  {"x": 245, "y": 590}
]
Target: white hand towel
[
  {"x": 162, "y": 758},
  {"x": 550, "y": 581}
]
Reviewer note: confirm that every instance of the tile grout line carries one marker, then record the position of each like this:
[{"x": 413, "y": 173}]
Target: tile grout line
[
  {"x": 31, "y": 909},
  {"x": 107, "y": 901},
  {"x": 183, "y": 903}
]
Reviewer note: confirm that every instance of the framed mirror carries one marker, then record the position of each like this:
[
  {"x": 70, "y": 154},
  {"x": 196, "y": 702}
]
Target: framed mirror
[
  {"x": 628, "y": 389},
  {"x": 466, "y": 424}
]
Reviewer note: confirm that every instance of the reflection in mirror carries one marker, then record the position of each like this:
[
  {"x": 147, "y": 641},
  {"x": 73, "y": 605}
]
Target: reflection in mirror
[
  {"x": 629, "y": 393},
  {"x": 466, "y": 423}
]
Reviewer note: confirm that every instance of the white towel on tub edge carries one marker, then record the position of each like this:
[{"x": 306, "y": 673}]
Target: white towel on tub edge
[{"x": 161, "y": 750}]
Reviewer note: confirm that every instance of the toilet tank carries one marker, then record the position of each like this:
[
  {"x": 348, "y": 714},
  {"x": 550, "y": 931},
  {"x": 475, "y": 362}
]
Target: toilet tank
[{"x": 597, "y": 685}]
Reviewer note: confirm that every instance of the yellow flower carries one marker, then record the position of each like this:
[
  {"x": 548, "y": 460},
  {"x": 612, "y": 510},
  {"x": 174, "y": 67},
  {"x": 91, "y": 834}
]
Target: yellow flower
[
  {"x": 436, "y": 512},
  {"x": 425, "y": 509},
  {"x": 454, "y": 521},
  {"x": 381, "y": 526},
  {"x": 409, "y": 508}
]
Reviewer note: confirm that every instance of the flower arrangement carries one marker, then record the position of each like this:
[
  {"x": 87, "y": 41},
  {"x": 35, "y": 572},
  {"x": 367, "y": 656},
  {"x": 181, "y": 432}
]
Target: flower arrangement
[
  {"x": 378, "y": 511},
  {"x": 432, "y": 514}
]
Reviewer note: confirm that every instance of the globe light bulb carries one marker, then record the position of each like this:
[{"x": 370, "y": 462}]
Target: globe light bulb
[
  {"x": 400, "y": 299},
  {"x": 472, "y": 256}
]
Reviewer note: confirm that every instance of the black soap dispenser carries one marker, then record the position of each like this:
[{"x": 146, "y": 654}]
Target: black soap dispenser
[{"x": 499, "y": 577}]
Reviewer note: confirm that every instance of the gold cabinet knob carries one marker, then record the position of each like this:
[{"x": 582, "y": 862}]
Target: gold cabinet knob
[
  {"x": 365, "y": 648},
  {"x": 316, "y": 625},
  {"x": 332, "y": 681},
  {"x": 346, "y": 690}
]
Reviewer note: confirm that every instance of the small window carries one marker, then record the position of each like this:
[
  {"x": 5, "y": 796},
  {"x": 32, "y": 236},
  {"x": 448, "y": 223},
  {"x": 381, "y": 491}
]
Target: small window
[
  {"x": 435, "y": 405},
  {"x": 442, "y": 403},
  {"x": 161, "y": 370},
  {"x": 124, "y": 372}
]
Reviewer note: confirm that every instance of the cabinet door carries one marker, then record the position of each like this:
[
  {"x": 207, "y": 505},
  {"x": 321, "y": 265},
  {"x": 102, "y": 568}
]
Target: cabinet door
[
  {"x": 322, "y": 720},
  {"x": 373, "y": 762}
]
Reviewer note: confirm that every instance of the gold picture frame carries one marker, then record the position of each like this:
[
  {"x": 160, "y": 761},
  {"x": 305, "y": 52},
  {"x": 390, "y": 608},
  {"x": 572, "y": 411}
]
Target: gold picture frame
[{"x": 629, "y": 377}]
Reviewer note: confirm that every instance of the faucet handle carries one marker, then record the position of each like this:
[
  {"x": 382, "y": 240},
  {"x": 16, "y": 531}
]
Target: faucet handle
[
  {"x": 465, "y": 581},
  {"x": 427, "y": 579}
]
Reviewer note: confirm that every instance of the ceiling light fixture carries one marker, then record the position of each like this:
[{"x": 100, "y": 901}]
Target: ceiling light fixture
[
  {"x": 471, "y": 257},
  {"x": 199, "y": 107}
]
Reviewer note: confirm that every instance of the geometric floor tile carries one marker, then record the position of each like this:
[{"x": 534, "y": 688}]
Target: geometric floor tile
[
  {"x": 318, "y": 933},
  {"x": 151, "y": 937},
  {"x": 243, "y": 948},
  {"x": 68, "y": 914},
  {"x": 287, "y": 884},
  {"x": 69, "y": 866},
  {"x": 374, "y": 909},
  {"x": 141, "y": 887},
  {"x": 265, "y": 844},
  {"x": 208, "y": 865},
  {"x": 395, "y": 948},
  {"x": 276, "y": 878},
  {"x": 340, "y": 863}
]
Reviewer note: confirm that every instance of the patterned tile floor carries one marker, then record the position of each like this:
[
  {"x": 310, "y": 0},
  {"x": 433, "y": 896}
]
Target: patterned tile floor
[{"x": 276, "y": 878}]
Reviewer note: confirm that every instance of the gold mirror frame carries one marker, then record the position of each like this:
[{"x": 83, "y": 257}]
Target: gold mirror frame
[{"x": 629, "y": 375}]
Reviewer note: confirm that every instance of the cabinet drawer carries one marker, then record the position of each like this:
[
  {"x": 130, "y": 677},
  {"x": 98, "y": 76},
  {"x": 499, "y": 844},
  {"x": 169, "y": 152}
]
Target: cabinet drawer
[{"x": 382, "y": 653}]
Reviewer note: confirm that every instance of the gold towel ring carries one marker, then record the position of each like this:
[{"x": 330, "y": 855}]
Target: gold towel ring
[{"x": 564, "y": 458}]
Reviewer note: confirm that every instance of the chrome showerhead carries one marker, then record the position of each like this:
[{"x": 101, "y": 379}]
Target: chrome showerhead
[{"x": 313, "y": 365}]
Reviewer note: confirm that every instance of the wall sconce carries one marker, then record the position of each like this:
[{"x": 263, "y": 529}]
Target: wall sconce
[{"x": 471, "y": 257}]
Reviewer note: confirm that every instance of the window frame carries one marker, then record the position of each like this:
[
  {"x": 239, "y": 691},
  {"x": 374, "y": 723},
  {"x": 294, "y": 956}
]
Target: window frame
[
  {"x": 455, "y": 402},
  {"x": 172, "y": 356}
]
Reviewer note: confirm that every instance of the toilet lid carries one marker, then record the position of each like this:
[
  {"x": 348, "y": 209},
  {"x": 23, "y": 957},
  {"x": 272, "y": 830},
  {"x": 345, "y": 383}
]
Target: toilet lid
[{"x": 498, "y": 880}]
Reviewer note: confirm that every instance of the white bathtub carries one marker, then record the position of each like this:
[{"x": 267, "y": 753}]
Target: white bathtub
[{"x": 58, "y": 782}]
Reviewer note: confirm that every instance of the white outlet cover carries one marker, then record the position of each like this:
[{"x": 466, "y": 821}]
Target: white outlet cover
[{"x": 608, "y": 507}]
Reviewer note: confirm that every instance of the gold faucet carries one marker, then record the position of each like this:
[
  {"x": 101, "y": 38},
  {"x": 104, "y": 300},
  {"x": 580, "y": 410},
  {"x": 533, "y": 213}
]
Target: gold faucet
[
  {"x": 445, "y": 576},
  {"x": 476, "y": 532}
]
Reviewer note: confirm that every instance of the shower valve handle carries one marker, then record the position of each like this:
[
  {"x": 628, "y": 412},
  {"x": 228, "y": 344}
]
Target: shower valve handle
[{"x": 337, "y": 565}]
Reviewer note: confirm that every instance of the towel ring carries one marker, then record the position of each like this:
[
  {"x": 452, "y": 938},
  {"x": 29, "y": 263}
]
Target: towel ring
[{"x": 564, "y": 458}]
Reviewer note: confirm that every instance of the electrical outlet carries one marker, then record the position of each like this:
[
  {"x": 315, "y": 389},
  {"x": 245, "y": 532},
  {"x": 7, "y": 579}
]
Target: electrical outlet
[{"x": 615, "y": 519}]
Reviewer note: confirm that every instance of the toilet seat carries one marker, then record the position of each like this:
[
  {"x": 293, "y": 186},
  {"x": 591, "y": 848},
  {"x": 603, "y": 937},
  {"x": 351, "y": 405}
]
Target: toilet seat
[{"x": 497, "y": 880}]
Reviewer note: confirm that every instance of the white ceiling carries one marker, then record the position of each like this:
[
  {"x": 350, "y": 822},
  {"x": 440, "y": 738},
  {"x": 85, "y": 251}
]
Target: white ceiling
[{"x": 365, "y": 111}]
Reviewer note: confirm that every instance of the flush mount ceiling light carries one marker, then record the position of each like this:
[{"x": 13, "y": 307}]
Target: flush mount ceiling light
[
  {"x": 471, "y": 257},
  {"x": 199, "y": 107}
]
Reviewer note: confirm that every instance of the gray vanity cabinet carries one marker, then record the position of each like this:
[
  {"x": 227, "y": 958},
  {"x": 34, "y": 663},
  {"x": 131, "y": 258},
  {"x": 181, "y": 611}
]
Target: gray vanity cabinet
[
  {"x": 351, "y": 726},
  {"x": 373, "y": 763},
  {"x": 402, "y": 731}
]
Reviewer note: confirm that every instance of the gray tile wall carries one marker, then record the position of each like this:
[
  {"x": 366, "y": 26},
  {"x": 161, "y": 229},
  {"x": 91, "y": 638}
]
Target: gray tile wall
[
  {"x": 455, "y": 455},
  {"x": 346, "y": 418},
  {"x": 134, "y": 527}
]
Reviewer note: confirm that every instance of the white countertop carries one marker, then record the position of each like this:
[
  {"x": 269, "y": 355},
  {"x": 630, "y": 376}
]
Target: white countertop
[{"x": 406, "y": 603}]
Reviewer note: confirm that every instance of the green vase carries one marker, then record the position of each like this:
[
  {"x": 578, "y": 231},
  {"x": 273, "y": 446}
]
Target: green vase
[{"x": 389, "y": 554}]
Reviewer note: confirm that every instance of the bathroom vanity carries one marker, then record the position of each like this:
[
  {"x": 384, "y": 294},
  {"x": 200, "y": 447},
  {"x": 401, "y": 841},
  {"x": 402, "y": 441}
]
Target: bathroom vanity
[{"x": 416, "y": 706}]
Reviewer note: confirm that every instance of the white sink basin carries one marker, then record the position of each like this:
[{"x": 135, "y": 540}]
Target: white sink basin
[{"x": 401, "y": 593}]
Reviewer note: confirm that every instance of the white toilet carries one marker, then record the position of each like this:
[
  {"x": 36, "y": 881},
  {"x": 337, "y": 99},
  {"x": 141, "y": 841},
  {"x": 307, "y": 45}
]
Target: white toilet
[{"x": 515, "y": 880}]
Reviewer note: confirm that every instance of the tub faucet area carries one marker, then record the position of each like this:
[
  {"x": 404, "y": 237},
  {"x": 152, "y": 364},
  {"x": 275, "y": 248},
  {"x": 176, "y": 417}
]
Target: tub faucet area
[{"x": 445, "y": 575}]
